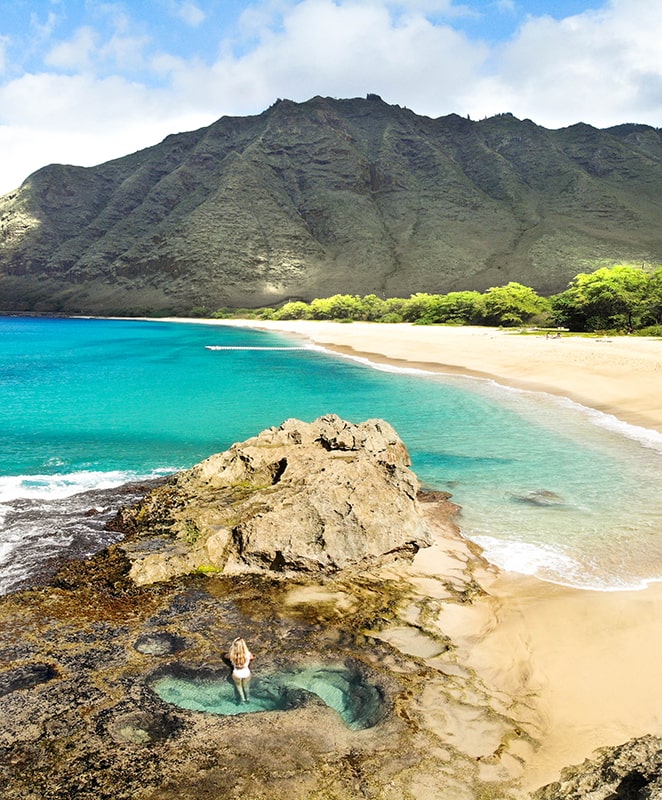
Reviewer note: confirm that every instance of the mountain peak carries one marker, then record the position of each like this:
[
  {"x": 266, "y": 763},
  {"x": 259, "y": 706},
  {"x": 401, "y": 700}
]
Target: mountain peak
[{"x": 330, "y": 196}]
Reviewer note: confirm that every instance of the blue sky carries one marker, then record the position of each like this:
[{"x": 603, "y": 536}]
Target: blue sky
[{"x": 85, "y": 81}]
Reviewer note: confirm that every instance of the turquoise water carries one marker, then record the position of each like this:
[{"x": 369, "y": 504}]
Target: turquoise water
[
  {"x": 93, "y": 403},
  {"x": 357, "y": 702}
]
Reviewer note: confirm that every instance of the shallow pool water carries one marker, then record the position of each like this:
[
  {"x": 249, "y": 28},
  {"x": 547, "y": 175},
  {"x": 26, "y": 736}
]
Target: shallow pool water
[{"x": 344, "y": 689}]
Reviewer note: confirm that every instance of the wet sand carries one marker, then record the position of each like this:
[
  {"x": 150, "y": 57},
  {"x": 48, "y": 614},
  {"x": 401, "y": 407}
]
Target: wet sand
[
  {"x": 586, "y": 663},
  {"x": 591, "y": 660}
]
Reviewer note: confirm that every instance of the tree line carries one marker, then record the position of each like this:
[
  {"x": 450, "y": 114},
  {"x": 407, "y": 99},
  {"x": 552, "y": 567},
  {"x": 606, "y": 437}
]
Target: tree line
[{"x": 614, "y": 299}]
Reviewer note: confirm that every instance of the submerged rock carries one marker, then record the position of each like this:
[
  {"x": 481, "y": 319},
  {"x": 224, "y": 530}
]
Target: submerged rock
[
  {"x": 140, "y": 728},
  {"x": 540, "y": 497},
  {"x": 159, "y": 644},
  {"x": 303, "y": 497}
]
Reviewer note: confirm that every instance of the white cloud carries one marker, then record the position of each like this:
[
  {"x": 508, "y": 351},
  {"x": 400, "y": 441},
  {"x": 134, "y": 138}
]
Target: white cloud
[
  {"x": 602, "y": 67},
  {"x": 4, "y": 43},
  {"x": 348, "y": 50},
  {"x": 88, "y": 121},
  {"x": 86, "y": 51},
  {"x": 437, "y": 7},
  {"x": 42, "y": 31},
  {"x": 75, "y": 54},
  {"x": 124, "y": 53},
  {"x": 190, "y": 13}
]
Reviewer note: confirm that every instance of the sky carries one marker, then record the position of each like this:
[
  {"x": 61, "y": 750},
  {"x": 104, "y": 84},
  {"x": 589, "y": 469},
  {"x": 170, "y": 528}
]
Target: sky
[{"x": 85, "y": 81}]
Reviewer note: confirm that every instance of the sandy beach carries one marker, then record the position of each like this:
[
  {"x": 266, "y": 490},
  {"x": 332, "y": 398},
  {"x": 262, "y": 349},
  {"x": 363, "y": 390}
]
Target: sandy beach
[
  {"x": 587, "y": 662},
  {"x": 620, "y": 375},
  {"x": 590, "y": 659}
]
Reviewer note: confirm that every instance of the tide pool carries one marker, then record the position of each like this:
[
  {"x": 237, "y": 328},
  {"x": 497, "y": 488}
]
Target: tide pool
[{"x": 547, "y": 487}]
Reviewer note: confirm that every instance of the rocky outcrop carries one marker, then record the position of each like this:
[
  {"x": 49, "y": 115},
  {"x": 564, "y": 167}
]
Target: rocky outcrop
[
  {"x": 304, "y": 497},
  {"x": 357, "y": 689},
  {"x": 366, "y": 680},
  {"x": 631, "y": 771},
  {"x": 310, "y": 199}
]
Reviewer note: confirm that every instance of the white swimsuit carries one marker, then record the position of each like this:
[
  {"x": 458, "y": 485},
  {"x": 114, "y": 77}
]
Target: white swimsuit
[{"x": 242, "y": 672}]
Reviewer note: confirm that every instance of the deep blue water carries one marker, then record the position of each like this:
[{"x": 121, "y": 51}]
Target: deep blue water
[{"x": 93, "y": 403}]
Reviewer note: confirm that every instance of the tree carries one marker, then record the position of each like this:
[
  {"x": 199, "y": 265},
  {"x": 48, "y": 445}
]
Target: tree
[
  {"x": 610, "y": 297},
  {"x": 339, "y": 306},
  {"x": 372, "y": 308},
  {"x": 460, "y": 308},
  {"x": 417, "y": 306},
  {"x": 652, "y": 304},
  {"x": 295, "y": 309},
  {"x": 511, "y": 305}
]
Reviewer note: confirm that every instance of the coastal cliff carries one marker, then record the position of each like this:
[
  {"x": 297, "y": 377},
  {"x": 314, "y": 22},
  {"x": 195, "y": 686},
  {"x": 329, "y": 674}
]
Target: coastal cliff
[
  {"x": 368, "y": 679},
  {"x": 330, "y": 196}
]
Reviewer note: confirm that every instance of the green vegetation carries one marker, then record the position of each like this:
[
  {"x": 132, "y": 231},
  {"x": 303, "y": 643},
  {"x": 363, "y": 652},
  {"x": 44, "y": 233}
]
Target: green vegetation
[
  {"x": 622, "y": 298},
  {"x": 207, "y": 569},
  {"x": 191, "y": 531}
]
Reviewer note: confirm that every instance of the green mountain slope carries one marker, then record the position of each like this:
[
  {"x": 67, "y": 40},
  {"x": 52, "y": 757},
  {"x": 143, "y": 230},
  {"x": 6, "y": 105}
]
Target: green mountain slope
[{"x": 329, "y": 196}]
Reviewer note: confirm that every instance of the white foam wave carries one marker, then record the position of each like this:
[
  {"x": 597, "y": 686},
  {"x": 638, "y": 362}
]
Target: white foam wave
[
  {"x": 60, "y": 485},
  {"x": 646, "y": 436},
  {"x": 373, "y": 364},
  {"x": 552, "y": 565},
  {"x": 254, "y": 347}
]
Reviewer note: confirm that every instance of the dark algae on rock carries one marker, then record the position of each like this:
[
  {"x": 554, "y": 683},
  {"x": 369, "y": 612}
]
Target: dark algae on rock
[{"x": 115, "y": 680}]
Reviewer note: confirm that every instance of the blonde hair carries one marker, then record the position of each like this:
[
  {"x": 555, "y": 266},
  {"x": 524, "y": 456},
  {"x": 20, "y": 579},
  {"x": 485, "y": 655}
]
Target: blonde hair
[{"x": 239, "y": 653}]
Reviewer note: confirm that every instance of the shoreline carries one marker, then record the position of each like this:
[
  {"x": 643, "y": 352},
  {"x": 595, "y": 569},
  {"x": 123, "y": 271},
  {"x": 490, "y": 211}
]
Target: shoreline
[
  {"x": 587, "y": 371},
  {"x": 587, "y": 660}
]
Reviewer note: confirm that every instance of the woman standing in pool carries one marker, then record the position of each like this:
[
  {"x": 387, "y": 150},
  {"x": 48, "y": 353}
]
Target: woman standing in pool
[{"x": 241, "y": 657}]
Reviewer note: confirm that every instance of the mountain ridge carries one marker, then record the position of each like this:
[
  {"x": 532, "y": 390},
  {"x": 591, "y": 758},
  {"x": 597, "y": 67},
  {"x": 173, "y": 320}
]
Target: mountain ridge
[{"x": 310, "y": 199}]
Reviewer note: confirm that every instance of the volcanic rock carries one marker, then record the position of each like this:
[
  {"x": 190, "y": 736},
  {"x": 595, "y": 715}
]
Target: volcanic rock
[
  {"x": 631, "y": 771},
  {"x": 303, "y": 497},
  {"x": 375, "y": 690}
]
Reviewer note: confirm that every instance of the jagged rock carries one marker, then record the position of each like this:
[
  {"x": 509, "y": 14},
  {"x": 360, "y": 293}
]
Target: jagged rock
[
  {"x": 311, "y": 497},
  {"x": 631, "y": 771}
]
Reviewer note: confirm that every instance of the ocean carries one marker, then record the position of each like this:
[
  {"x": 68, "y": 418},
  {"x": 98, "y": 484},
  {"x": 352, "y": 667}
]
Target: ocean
[{"x": 91, "y": 407}]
